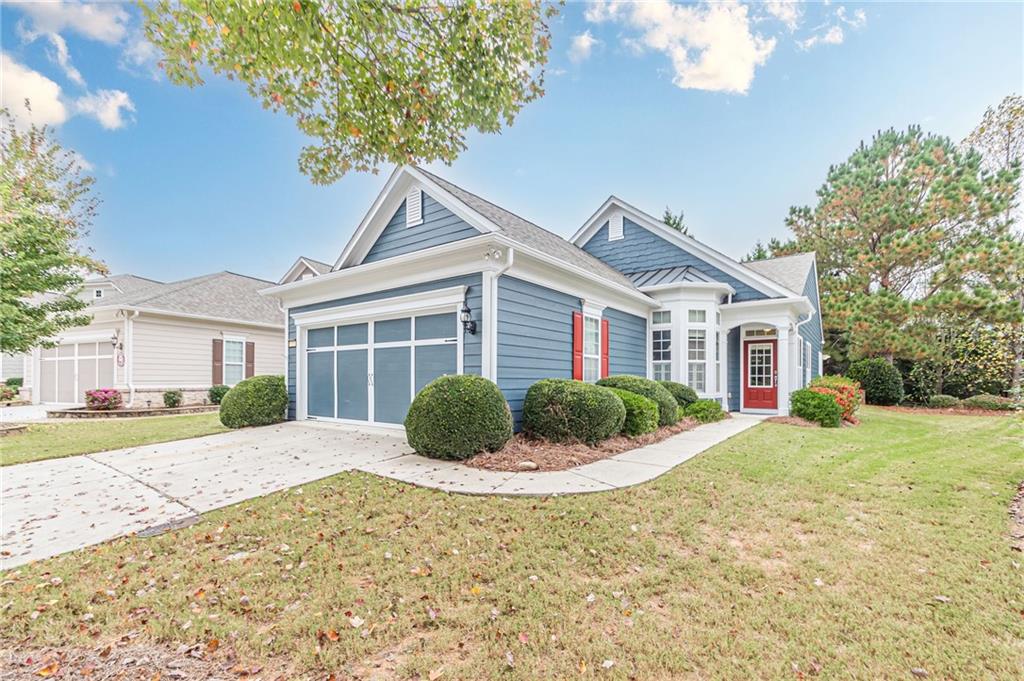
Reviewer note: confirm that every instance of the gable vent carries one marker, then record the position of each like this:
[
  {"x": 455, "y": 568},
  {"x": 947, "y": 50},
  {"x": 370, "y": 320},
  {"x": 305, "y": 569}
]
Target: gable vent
[
  {"x": 615, "y": 227},
  {"x": 414, "y": 208}
]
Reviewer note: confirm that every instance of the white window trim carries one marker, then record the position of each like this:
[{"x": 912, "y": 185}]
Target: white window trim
[
  {"x": 662, "y": 326},
  {"x": 97, "y": 294},
  {"x": 224, "y": 357},
  {"x": 587, "y": 355}
]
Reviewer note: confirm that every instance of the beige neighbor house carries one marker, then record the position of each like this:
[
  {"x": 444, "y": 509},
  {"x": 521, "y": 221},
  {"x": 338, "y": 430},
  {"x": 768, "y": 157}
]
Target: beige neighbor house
[{"x": 147, "y": 337}]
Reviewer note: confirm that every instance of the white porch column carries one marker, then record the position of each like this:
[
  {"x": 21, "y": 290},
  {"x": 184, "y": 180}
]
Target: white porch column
[{"x": 785, "y": 353}]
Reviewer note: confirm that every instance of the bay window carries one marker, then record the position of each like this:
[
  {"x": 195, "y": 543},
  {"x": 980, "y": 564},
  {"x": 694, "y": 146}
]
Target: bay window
[
  {"x": 661, "y": 345},
  {"x": 697, "y": 358}
]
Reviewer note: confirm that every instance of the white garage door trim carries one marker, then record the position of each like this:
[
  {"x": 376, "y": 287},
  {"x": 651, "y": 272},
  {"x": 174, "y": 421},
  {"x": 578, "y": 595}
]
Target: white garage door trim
[{"x": 444, "y": 300}]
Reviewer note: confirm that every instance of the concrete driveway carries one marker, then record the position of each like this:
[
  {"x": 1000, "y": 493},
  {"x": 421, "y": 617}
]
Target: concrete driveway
[
  {"x": 29, "y": 412},
  {"x": 49, "y": 507}
]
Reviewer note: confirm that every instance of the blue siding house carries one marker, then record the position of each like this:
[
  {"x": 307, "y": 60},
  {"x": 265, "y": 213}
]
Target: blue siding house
[{"x": 437, "y": 280}]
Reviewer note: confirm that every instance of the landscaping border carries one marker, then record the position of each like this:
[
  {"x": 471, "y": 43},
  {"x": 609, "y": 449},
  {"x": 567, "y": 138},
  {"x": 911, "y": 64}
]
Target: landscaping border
[{"x": 84, "y": 413}]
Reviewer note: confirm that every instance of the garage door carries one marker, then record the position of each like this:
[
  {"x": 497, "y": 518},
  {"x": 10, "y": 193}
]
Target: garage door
[
  {"x": 67, "y": 371},
  {"x": 370, "y": 371}
]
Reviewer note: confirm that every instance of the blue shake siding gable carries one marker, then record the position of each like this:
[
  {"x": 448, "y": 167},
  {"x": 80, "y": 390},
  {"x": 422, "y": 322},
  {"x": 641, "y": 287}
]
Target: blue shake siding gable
[
  {"x": 440, "y": 226},
  {"x": 640, "y": 250},
  {"x": 471, "y": 344}
]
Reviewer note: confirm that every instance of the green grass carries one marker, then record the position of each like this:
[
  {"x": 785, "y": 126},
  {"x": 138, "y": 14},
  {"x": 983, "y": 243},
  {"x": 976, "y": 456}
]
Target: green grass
[
  {"x": 54, "y": 440},
  {"x": 784, "y": 551}
]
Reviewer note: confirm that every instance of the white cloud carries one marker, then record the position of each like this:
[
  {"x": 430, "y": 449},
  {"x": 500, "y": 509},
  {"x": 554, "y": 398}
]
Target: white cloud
[
  {"x": 789, "y": 12},
  {"x": 140, "y": 55},
  {"x": 105, "y": 22},
  {"x": 59, "y": 54},
  {"x": 44, "y": 95},
  {"x": 581, "y": 47},
  {"x": 710, "y": 45},
  {"x": 81, "y": 162},
  {"x": 109, "y": 107},
  {"x": 832, "y": 36},
  {"x": 858, "y": 20}
]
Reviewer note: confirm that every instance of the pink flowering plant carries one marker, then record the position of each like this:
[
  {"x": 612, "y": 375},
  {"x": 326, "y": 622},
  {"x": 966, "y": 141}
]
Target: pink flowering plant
[{"x": 103, "y": 398}]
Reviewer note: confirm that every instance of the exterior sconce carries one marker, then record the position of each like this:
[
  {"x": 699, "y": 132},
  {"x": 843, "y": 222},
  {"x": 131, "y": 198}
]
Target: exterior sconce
[
  {"x": 466, "y": 317},
  {"x": 115, "y": 341}
]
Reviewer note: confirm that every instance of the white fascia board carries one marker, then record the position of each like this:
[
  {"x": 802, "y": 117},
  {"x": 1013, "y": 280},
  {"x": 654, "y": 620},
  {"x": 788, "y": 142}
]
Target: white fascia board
[
  {"x": 687, "y": 243},
  {"x": 464, "y": 256},
  {"x": 695, "y": 285},
  {"x": 186, "y": 315},
  {"x": 541, "y": 273},
  {"x": 794, "y": 305},
  {"x": 387, "y": 202},
  {"x": 301, "y": 262},
  {"x": 372, "y": 309}
]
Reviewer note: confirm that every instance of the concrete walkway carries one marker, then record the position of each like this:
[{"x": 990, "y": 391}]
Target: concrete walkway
[{"x": 49, "y": 507}]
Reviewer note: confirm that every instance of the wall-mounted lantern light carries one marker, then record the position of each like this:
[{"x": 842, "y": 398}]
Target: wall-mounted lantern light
[{"x": 466, "y": 317}]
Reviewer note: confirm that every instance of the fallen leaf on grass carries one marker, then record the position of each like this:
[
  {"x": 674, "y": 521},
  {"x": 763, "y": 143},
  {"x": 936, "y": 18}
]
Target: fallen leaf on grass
[
  {"x": 435, "y": 674},
  {"x": 48, "y": 670},
  {"x": 212, "y": 645}
]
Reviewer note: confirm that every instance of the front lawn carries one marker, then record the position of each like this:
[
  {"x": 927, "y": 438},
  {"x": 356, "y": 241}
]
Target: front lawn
[
  {"x": 881, "y": 551},
  {"x": 53, "y": 440}
]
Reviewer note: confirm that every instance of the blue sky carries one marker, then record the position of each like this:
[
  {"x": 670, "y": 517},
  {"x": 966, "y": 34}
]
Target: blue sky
[{"x": 744, "y": 123}]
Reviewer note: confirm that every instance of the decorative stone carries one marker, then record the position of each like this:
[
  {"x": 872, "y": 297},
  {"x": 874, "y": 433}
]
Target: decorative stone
[{"x": 527, "y": 466}]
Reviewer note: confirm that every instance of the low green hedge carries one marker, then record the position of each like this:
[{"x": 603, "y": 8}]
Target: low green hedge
[
  {"x": 705, "y": 411},
  {"x": 563, "y": 410},
  {"x": 818, "y": 407},
  {"x": 173, "y": 398},
  {"x": 455, "y": 417},
  {"x": 683, "y": 394},
  {"x": 943, "y": 401},
  {"x": 256, "y": 401},
  {"x": 14, "y": 382},
  {"x": 641, "y": 413},
  {"x": 882, "y": 382},
  {"x": 216, "y": 393},
  {"x": 668, "y": 408},
  {"x": 985, "y": 401}
]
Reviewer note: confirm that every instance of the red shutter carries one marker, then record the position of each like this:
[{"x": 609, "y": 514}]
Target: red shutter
[
  {"x": 250, "y": 359},
  {"x": 218, "y": 361},
  {"x": 604, "y": 348},
  {"x": 577, "y": 346}
]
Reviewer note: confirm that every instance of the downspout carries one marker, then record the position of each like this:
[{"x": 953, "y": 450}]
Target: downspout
[
  {"x": 796, "y": 332},
  {"x": 130, "y": 357}
]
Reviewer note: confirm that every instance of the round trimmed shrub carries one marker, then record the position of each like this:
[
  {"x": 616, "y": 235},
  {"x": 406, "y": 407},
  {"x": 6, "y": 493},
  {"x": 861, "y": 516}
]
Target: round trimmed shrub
[
  {"x": 819, "y": 407},
  {"x": 683, "y": 394},
  {"x": 104, "y": 398},
  {"x": 986, "y": 401},
  {"x": 173, "y": 398},
  {"x": 217, "y": 393},
  {"x": 256, "y": 401},
  {"x": 668, "y": 408},
  {"x": 562, "y": 410},
  {"x": 705, "y": 411},
  {"x": 14, "y": 382},
  {"x": 881, "y": 381},
  {"x": 454, "y": 417},
  {"x": 641, "y": 413},
  {"x": 943, "y": 402},
  {"x": 846, "y": 392}
]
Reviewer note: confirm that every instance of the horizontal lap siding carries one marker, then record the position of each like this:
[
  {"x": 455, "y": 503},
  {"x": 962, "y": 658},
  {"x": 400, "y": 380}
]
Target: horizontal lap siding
[
  {"x": 732, "y": 353},
  {"x": 640, "y": 250},
  {"x": 627, "y": 346},
  {"x": 471, "y": 350},
  {"x": 811, "y": 331},
  {"x": 440, "y": 226},
  {"x": 534, "y": 337}
]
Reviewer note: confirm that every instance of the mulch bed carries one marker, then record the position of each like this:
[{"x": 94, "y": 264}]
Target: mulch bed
[
  {"x": 959, "y": 411},
  {"x": 130, "y": 412},
  {"x": 12, "y": 428},
  {"x": 559, "y": 456}
]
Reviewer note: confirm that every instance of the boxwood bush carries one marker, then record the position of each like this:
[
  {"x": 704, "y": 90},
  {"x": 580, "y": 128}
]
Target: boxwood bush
[
  {"x": 14, "y": 382},
  {"x": 455, "y": 417},
  {"x": 172, "y": 398},
  {"x": 986, "y": 401},
  {"x": 256, "y": 401},
  {"x": 668, "y": 408},
  {"x": 683, "y": 394},
  {"x": 881, "y": 381},
  {"x": 641, "y": 413},
  {"x": 217, "y": 393},
  {"x": 819, "y": 407},
  {"x": 943, "y": 401},
  {"x": 705, "y": 411},
  {"x": 562, "y": 410}
]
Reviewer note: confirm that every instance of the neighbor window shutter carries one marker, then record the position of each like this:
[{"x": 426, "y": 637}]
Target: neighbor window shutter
[
  {"x": 577, "y": 346},
  {"x": 218, "y": 361},
  {"x": 604, "y": 348},
  {"x": 250, "y": 359}
]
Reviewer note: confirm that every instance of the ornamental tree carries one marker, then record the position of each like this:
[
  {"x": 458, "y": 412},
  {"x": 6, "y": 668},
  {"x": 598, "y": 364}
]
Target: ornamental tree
[
  {"x": 369, "y": 82},
  {"x": 892, "y": 228},
  {"x": 46, "y": 206}
]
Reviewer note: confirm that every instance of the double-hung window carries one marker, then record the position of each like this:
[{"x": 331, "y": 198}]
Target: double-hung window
[
  {"x": 697, "y": 359},
  {"x": 661, "y": 345},
  {"x": 718, "y": 360},
  {"x": 591, "y": 349},
  {"x": 234, "y": 361}
]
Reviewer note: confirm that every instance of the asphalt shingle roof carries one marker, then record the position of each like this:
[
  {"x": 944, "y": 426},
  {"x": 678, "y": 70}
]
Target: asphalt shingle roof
[
  {"x": 223, "y": 295},
  {"x": 789, "y": 270},
  {"x": 531, "y": 235}
]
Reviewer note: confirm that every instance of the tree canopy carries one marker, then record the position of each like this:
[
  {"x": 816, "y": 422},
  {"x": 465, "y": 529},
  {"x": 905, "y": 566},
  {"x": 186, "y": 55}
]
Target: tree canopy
[
  {"x": 46, "y": 206},
  {"x": 369, "y": 82},
  {"x": 893, "y": 228},
  {"x": 675, "y": 220}
]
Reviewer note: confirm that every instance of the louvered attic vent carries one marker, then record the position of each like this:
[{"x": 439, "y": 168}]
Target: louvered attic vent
[
  {"x": 414, "y": 208},
  {"x": 615, "y": 227}
]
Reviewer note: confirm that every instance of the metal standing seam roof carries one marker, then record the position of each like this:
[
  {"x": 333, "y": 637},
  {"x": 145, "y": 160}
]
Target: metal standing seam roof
[
  {"x": 668, "y": 275},
  {"x": 221, "y": 295},
  {"x": 531, "y": 235}
]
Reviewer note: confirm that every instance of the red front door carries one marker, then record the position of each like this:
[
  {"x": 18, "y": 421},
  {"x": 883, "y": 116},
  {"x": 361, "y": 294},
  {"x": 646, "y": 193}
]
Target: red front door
[{"x": 760, "y": 374}]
